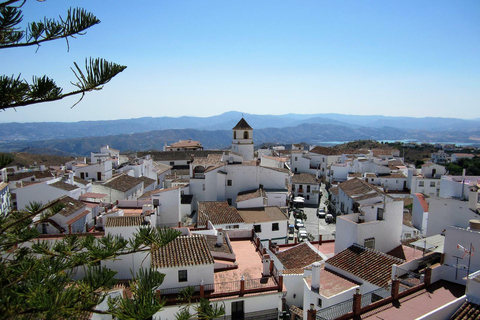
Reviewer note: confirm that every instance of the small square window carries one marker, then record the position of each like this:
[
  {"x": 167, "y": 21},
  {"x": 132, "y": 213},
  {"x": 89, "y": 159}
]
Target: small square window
[
  {"x": 172, "y": 163},
  {"x": 229, "y": 201},
  {"x": 257, "y": 228},
  {"x": 275, "y": 226},
  {"x": 182, "y": 276},
  {"x": 229, "y": 183},
  {"x": 432, "y": 184},
  {"x": 420, "y": 183}
]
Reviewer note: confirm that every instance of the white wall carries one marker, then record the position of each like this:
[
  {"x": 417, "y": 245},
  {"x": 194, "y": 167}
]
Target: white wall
[
  {"x": 444, "y": 212},
  {"x": 419, "y": 217},
  {"x": 195, "y": 274},
  {"x": 251, "y": 203},
  {"x": 169, "y": 210},
  {"x": 40, "y": 192},
  {"x": 278, "y": 199}
]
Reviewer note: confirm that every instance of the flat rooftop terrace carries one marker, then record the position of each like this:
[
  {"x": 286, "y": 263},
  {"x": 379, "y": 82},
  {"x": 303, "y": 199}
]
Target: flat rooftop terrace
[{"x": 418, "y": 303}]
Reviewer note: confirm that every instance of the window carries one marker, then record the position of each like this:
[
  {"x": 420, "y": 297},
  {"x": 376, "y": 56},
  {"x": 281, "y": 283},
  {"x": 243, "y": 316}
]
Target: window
[
  {"x": 308, "y": 197},
  {"x": 296, "y": 158},
  {"x": 420, "y": 183},
  {"x": 203, "y": 187},
  {"x": 308, "y": 188},
  {"x": 237, "y": 310},
  {"x": 229, "y": 201},
  {"x": 432, "y": 184},
  {"x": 380, "y": 214},
  {"x": 234, "y": 134},
  {"x": 257, "y": 228},
  {"x": 295, "y": 170},
  {"x": 229, "y": 183},
  {"x": 319, "y": 303},
  {"x": 86, "y": 174},
  {"x": 275, "y": 226},
  {"x": 369, "y": 243},
  {"x": 245, "y": 135},
  {"x": 172, "y": 163},
  {"x": 182, "y": 276}
]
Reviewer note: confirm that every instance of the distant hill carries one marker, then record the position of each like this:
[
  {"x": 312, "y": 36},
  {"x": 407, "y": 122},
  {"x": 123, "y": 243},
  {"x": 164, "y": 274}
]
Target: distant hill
[
  {"x": 311, "y": 133},
  {"x": 41, "y": 131}
]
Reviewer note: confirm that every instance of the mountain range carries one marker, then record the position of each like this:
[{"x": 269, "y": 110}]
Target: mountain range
[{"x": 80, "y": 138}]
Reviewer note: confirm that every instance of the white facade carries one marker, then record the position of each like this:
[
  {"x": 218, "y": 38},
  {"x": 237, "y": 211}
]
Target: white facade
[
  {"x": 100, "y": 171},
  {"x": 224, "y": 183},
  {"x": 242, "y": 142},
  {"x": 4, "y": 199},
  {"x": 167, "y": 204},
  {"x": 428, "y": 186},
  {"x": 457, "y": 186},
  {"x": 445, "y": 212},
  {"x": 42, "y": 192},
  {"x": 384, "y": 228},
  {"x": 420, "y": 213}
]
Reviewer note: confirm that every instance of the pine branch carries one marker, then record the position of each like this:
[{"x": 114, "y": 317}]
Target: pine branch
[
  {"x": 19, "y": 93},
  {"x": 77, "y": 21}
]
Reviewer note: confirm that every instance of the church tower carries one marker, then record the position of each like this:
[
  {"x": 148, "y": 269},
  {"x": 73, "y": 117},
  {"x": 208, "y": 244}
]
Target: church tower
[{"x": 242, "y": 142}]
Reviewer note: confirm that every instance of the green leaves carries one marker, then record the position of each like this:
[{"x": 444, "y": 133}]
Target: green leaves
[{"x": 16, "y": 92}]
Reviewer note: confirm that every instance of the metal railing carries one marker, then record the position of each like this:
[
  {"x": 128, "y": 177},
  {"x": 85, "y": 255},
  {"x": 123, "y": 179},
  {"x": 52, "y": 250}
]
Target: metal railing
[
  {"x": 408, "y": 278},
  {"x": 374, "y": 296},
  {"x": 268, "y": 314},
  {"x": 335, "y": 311}
]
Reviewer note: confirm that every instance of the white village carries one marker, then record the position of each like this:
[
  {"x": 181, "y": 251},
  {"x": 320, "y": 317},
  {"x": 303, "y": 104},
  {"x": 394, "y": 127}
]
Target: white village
[{"x": 301, "y": 232}]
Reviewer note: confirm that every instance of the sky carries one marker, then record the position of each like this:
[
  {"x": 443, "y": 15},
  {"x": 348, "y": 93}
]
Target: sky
[{"x": 203, "y": 58}]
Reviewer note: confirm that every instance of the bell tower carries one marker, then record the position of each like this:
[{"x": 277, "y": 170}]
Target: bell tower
[{"x": 242, "y": 142}]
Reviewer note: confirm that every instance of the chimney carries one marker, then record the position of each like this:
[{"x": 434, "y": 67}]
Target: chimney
[
  {"x": 70, "y": 178},
  {"x": 316, "y": 267},
  {"x": 266, "y": 265},
  {"x": 473, "y": 198},
  {"x": 219, "y": 239}
]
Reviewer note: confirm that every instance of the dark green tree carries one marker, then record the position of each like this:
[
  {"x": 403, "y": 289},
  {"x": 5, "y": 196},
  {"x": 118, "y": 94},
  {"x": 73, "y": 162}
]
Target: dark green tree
[
  {"x": 18, "y": 92},
  {"x": 38, "y": 279}
]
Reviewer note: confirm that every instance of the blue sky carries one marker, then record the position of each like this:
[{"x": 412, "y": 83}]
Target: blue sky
[{"x": 203, "y": 58}]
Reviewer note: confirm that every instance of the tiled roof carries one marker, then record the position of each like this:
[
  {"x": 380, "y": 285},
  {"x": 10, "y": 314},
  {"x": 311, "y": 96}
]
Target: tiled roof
[
  {"x": 394, "y": 164},
  {"x": 468, "y": 311},
  {"x": 123, "y": 182},
  {"x": 64, "y": 186},
  {"x": 23, "y": 175},
  {"x": 394, "y": 175},
  {"x": 423, "y": 202},
  {"x": 186, "y": 144},
  {"x": 184, "y": 251},
  {"x": 367, "y": 264},
  {"x": 326, "y": 151},
  {"x": 148, "y": 194},
  {"x": 250, "y": 194},
  {"x": 160, "y": 167},
  {"x": 284, "y": 170},
  {"x": 70, "y": 205},
  {"x": 80, "y": 180},
  {"x": 241, "y": 125},
  {"x": 92, "y": 195},
  {"x": 211, "y": 159},
  {"x": 334, "y": 190},
  {"x": 124, "y": 221},
  {"x": 263, "y": 214},
  {"x": 280, "y": 159},
  {"x": 355, "y": 174},
  {"x": 359, "y": 190},
  {"x": 147, "y": 181},
  {"x": 298, "y": 256},
  {"x": 304, "y": 178},
  {"x": 78, "y": 217},
  {"x": 217, "y": 212},
  {"x": 181, "y": 155},
  {"x": 3, "y": 185}
]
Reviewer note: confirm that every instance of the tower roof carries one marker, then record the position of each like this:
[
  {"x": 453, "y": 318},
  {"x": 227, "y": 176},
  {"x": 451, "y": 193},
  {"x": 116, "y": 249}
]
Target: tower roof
[{"x": 241, "y": 125}]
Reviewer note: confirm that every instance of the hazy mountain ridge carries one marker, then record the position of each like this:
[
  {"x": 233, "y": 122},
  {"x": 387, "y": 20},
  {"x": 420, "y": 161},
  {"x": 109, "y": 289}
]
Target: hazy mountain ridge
[
  {"x": 41, "y": 131},
  {"x": 311, "y": 133}
]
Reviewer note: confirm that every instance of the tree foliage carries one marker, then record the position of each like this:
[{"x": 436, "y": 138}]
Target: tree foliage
[
  {"x": 471, "y": 166},
  {"x": 40, "y": 279},
  {"x": 18, "y": 92}
]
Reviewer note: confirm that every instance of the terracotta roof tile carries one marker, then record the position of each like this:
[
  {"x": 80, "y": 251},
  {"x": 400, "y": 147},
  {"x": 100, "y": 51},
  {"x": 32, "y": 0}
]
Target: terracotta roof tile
[
  {"x": 217, "y": 212},
  {"x": 298, "y": 256},
  {"x": 182, "y": 252},
  {"x": 305, "y": 178},
  {"x": 64, "y": 186},
  {"x": 186, "y": 144},
  {"x": 124, "y": 221},
  {"x": 123, "y": 182},
  {"x": 250, "y": 194},
  {"x": 367, "y": 264},
  {"x": 78, "y": 217},
  {"x": 326, "y": 151},
  {"x": 70, "y": 205},
  {"x": 263, "y": 214},
  {"x": 468, "y": 311},
  {"x": 242, "y": 124}
]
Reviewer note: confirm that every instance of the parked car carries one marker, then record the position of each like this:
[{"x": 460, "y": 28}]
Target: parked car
[
  {"x": 321, "y": 213},
  {"x": 302, "y": 234},
  {"x": 299, "y": 223},
  {"x": 291, "y": 229},
  {"x": 328, "y": 218},
  {"x": 296, "y": 212}
]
